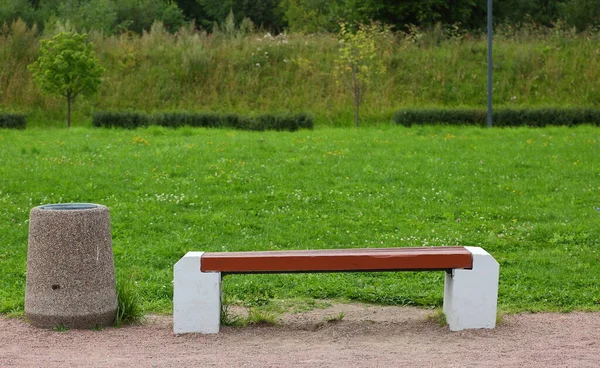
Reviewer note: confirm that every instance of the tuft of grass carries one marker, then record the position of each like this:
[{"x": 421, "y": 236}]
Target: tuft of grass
[
  {"x": 500, "y": 318},
  {"x": 18, "y": 312},
  {"x": 261, "y": 317},
  {"x": 230, "y": 319},
  {"x": 61, "y": 328},
  {"x": 256, "y": 317},
  {"x": 129, "y": 309},
  {"x": 334, "y": 318},
  {"x": 438, "y": 317}
]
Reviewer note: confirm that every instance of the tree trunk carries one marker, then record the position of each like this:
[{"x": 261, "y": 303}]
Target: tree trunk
[
  {"x": 69, "y": 98},
  {"x": 356, "y": 114},
  {"x": 357, "y": 96}
]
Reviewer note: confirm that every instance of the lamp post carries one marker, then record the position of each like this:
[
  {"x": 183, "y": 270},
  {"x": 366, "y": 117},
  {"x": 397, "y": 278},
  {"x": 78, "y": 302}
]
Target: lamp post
[{"x": 489, "y": 33}]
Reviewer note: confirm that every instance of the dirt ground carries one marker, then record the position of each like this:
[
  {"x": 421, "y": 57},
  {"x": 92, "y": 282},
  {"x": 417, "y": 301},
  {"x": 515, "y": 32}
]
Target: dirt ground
[{"x": 367, "y": 336}]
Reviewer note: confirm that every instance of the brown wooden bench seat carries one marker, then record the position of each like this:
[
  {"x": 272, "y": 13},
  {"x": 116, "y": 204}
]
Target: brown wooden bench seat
[{"x": 338, "y": 260}]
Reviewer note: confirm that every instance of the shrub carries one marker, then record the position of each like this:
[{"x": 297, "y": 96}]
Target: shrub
[
  {"x": 128, "y": 120},
  {"x": 235, "y": 121},
  {"x": 203, "y": 120},
  {"x": 539, "y": 117},
  {"x": 283, "y": 122},
  {"x": 12, "y": 121}
]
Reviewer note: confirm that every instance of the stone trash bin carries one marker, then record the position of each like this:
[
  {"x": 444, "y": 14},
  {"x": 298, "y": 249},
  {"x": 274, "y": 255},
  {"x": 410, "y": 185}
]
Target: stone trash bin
[{"x": 70, "y": 269}]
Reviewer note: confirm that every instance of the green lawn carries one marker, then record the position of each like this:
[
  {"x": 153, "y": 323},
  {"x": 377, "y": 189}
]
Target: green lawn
[{"x": 531, "y": 197}]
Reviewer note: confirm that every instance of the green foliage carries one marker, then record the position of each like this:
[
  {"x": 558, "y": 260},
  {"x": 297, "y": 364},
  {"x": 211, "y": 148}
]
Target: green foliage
[
  {"x": 358, "y": 61},
  {"x": 13, "y": 10},
  {"x": 177, "y": 120},
  {"x": 67, "y": 66},
  {"x": 582, "y": 14},
  {"x": 131, "y": 120},
  {"x": 116, "y": 16},
  {"x": 258, "y": 73},
  {"x": 107, "y": 16},
  {"x": 281, "y": 122},
  {"x": 139, "y": 15},
  {"x": 12, "y": 121},
  {"x": 539, "y": 117},
  {"x": 308, "y": 16},
  {"x": 264, "y": 13},
  {"x": 228, "y": 29}
]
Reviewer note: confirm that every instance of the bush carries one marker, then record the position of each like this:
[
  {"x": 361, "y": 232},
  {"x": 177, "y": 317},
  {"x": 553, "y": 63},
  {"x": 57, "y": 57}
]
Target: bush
[
  {"x": 178, "y": 119},
  {"x": 12, "y": 121},
  {"x": 284, "y": 122},
  {"x": 203, "y": 120},
  {"x": 128, "y": 120},
  {"x": 235, "y": 121},
  {"x": 501, "y": 118}
]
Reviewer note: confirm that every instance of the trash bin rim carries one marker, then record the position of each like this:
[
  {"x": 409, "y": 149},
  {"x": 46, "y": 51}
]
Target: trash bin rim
[{"x": 68, "y": 206}]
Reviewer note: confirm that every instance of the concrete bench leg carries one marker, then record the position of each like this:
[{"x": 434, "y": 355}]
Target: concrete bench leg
[
  {"x": 196, "y": 297},
  {"x": 471, "y": 296}
]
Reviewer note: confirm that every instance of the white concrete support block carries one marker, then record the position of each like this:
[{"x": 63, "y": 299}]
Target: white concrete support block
[
  {"x": 196, "y": 297},
  {"x": 471, "y": 296}
]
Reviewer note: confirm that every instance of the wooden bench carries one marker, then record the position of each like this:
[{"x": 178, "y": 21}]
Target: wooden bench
[{"x": 470, "y": 292}]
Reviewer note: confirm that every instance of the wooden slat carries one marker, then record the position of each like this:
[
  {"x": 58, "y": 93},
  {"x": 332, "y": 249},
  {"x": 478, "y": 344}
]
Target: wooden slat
[{"x": 332, "y": 260}]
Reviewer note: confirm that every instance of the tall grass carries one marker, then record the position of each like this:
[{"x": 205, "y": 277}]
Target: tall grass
[{"x": 257, "y": 73}]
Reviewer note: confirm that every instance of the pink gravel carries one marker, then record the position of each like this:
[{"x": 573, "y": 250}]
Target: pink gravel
[{"x": 367, "y": 336}]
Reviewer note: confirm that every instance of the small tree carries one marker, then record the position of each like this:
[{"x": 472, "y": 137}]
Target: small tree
[
  {"x": 358, "y": 61},
  {"x": 67, "y": 66}
]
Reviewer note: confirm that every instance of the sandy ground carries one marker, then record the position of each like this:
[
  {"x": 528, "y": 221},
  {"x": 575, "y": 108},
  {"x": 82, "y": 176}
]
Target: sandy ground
[{"x": 367, "y": 336}]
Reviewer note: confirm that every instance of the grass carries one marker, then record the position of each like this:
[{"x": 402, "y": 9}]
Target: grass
[
  {"x": 255, "y": 316},
  {"x": 129, "y": 309},
  {"x": 61, "y": 328},
  {"x": 438, "y": 317},
  {"x": 528, "y": 196},
  {"x": 254, "y": 74},
  {"x": 333, "y": 318}
]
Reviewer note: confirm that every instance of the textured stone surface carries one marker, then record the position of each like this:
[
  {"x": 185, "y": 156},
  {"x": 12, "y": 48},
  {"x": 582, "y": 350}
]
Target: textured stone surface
[{"x": 70, "y": 269}]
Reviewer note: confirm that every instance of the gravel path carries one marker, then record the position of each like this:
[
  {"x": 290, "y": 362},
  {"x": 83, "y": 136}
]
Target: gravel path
[{"x": 367, "y": 336}]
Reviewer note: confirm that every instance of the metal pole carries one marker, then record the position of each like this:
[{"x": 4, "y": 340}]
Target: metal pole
[{"x": 489, "y": 32}]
